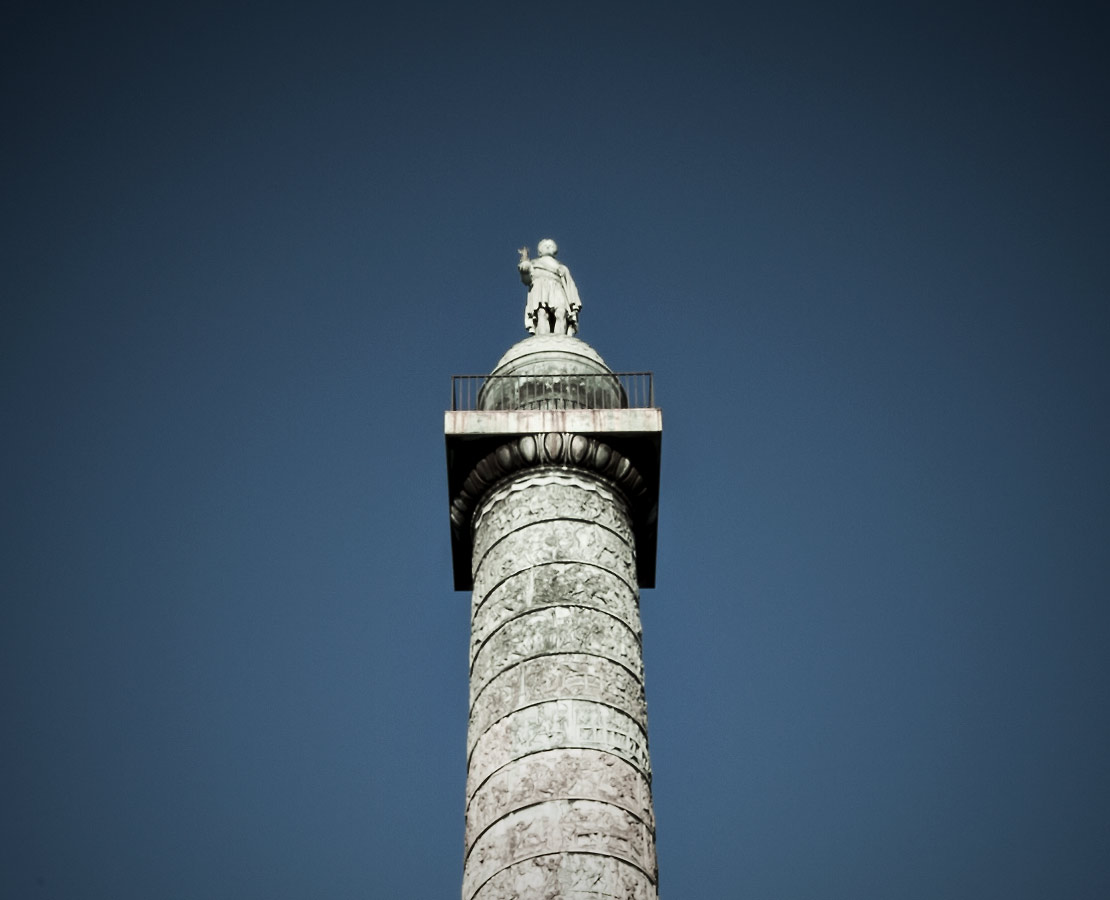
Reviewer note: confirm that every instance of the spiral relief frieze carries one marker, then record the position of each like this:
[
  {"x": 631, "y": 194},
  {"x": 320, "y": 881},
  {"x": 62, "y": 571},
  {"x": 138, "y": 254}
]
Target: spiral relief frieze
[
  {"x": 551, "y": 494},
  {"x": 559, "y": 723},
  {"x": 558, "y": 778},
  {"x": 555, "y": 541},
  {"x": 563, "y": 826},
  {"x": 568, "y": 876},
  {"x": 559, "y": 629},
  {"x": 562, "y": 677},
  {"x": 562, "y": 774},
  {"x": 559, "y": 583}
]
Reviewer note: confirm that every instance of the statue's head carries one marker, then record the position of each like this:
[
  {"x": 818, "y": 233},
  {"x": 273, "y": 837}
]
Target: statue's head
[{"x": 546, "y": 247}]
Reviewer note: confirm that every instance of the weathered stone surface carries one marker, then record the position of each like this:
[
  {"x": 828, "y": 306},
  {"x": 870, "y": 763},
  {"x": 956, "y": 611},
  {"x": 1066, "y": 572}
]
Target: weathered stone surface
[
  {"x": 558, "y": 723},
  {"x": 562, "y": 677},
  {"x": 561, "y": 774},
  {"x": 469, "y": 422},
  {"x": 561, "y": 826},
  {"x": 554, "y": 584},
  {"x": 558, "y": 783},
  {"x": 551, "y": 495},
  {"x": 560, "y": 540},
  {"x": 556, "y": 629},
  {"x": 568, "y": 876}
]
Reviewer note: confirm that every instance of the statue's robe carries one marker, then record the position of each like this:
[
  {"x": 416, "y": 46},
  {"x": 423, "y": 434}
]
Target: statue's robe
[{"x": 550, "y": 288}]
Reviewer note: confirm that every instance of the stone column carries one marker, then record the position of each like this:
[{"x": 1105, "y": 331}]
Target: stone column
[
  {"x": 558, "y": 786},
  {"x": 553, "y": 479}
]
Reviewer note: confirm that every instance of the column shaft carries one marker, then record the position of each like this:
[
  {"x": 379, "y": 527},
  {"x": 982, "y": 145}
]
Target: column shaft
[{"x": 558, "y": 783}]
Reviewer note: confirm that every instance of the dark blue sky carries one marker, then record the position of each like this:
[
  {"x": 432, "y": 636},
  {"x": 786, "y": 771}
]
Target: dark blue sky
[{"x": 862, "y": 247}]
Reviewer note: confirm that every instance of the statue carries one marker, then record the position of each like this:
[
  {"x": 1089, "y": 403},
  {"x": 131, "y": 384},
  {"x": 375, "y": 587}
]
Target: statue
[{"x": 553, "y": 301}]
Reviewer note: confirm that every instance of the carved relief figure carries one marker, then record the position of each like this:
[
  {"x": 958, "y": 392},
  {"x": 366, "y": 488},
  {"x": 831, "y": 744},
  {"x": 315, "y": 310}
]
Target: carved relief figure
[{"x": 553, "y": 301}]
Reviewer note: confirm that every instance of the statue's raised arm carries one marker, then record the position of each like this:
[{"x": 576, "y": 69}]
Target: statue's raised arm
[{"x": 553, "y": 300}]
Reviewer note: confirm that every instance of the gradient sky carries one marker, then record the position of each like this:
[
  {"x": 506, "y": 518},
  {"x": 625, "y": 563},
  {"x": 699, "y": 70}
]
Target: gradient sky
[{"x": 863, "y": 247}]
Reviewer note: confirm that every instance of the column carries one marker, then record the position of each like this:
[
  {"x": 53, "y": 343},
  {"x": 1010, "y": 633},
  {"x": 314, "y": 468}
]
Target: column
[{"x": 558, "y": 785}]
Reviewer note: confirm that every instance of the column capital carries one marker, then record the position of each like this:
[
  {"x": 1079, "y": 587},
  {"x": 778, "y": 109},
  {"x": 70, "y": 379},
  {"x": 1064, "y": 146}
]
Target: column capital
[{"x": 477, "y": 464}]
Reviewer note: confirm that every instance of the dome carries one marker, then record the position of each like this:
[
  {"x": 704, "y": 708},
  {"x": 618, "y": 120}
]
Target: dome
[
  {"x": 552, "y": 371},
  {"x": 561, "y": 352}
]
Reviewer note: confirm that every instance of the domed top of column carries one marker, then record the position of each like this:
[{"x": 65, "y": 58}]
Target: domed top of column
[
  {"x": 550, "y": 353},
  {"x": 552, "y": 371}
]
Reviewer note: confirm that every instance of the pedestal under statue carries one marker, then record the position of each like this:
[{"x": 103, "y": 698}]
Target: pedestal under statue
[{"x": 553, "y": 300}]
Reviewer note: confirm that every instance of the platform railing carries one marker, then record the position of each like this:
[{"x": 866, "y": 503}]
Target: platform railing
[{"x": 616, "y": 390}]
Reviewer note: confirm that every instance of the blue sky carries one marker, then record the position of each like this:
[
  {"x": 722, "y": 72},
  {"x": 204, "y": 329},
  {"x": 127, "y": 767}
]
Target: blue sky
[{"x": 861, "y": 246}]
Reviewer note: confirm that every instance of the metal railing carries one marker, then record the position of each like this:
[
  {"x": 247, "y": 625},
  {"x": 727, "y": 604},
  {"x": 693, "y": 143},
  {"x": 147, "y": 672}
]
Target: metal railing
[{"x": 618, "y": 390}]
